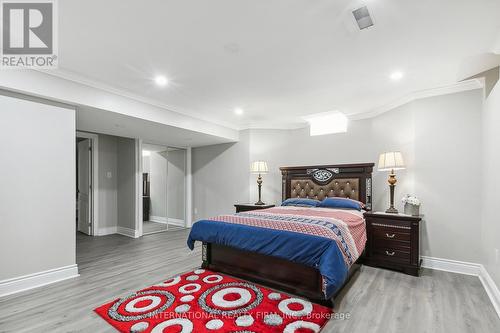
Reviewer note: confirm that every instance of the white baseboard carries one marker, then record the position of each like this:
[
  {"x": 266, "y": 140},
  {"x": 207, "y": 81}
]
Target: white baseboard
[
  {"x": 127, "y": 232},
  {"x": 468, "y": 268},
  {"x": 491, "y": 288},
  {"x": 158, "y": 219},
  {"x": 162, "y": 219},
  {"x": 454, "y": 266},
  {"x": 27, "y": 282},
  {"x": 107, "y": 231}
]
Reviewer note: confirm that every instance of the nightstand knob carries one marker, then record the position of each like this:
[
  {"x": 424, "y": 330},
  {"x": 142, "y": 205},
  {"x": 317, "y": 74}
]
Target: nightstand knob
[
  {"x": 390, "y": 253},
  {"x": 390, "y": 236}
]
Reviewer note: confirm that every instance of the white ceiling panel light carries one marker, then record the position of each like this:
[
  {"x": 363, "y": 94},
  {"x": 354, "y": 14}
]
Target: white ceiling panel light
[
  {"x": 161, "y": 80},
  {"x": 327, "y": 123},
  {"x": 238, "y": 111},
  {"x": 396, "y": 76}
]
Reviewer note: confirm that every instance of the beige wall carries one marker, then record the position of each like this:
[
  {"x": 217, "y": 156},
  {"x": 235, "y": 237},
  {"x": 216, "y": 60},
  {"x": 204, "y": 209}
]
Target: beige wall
[
  {"x": 220, "y": 177},
  {"x": 491, "y": 184},
  {"x": 116, "y": 156},
  {"x": 38, "y": 186},
  {"x": 447, "y": 167},
  {"x": 126, "y": 190},
  {"x": 108, "y": 195}
]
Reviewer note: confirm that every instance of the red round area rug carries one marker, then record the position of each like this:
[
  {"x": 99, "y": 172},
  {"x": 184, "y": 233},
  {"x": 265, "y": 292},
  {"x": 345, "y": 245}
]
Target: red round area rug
[{"x": 205, "y": 301}]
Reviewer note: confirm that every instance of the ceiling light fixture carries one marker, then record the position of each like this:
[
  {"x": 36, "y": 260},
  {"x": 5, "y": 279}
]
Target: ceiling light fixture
[
  {"x": 396, "y": 76},
  {"x": 327, "y": 123},
  {"x": 146, "y": 153},
  {"x": 161, "y": 80},
  {"x": 238, "y": 111}
]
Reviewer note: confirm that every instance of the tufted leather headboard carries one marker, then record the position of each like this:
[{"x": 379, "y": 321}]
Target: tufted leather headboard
[
  {"x": 347, "y": 188},
  {"x": 352, "y": 181}
]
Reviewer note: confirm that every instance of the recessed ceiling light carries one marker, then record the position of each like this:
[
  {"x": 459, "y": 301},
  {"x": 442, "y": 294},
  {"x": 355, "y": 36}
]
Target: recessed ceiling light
[
  {"x": 238, "y": 111},
  {"x": 161, "y": 80},
  {"x": 397, "y": 76}
]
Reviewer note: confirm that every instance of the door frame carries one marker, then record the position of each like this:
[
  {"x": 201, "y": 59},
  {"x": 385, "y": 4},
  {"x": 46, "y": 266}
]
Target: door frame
[
  {"x": 94, "y": 180},
  {"x": 188, "y": 215},
  {"x": 138, "y": 188}
]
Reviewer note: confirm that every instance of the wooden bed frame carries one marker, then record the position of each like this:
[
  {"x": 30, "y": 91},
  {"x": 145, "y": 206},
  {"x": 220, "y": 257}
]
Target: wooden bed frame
[{"x": 345, "y": 180}]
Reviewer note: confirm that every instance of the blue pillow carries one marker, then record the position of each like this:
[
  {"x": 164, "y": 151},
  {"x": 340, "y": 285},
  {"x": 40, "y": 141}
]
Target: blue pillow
[
  {"x": 341, "y": 203},
  {"x": 301, "y": 202}
]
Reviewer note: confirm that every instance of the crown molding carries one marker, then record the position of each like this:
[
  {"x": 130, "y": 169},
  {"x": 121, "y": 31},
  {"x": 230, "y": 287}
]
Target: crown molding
[
  {"x": 466, "y": 85},
  {"x": 273, "y": 126}
]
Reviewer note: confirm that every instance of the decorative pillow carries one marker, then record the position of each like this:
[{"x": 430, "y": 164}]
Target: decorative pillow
[
  {"x": 336, "y": 202},
  {"x": 301, "y": 202}
]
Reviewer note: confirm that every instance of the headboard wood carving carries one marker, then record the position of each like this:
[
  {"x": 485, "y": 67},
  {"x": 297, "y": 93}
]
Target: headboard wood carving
[{"x": 352, "y": 181}]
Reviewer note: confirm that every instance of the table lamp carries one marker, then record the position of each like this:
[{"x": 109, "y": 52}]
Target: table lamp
[
  {"x": 259, "y": 167},
  {"x": 391, "y": 161}
]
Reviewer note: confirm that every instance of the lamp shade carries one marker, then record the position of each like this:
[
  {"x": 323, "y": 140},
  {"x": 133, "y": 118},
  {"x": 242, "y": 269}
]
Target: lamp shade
[
  {"x": 259, "y": 167},
  {"x": 391, "y": 161}
]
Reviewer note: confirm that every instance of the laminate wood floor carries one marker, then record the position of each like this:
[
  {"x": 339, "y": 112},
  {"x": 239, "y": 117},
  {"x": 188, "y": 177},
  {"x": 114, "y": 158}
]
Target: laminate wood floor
[{"x": 375, "y": 300}]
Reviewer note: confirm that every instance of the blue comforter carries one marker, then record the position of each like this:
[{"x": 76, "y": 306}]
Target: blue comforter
[{"x": 314, "y": 251}]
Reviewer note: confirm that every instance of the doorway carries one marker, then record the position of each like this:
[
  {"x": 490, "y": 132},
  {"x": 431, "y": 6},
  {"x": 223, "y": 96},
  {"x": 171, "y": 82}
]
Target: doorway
[
  {"x": 163, "y": 188},
  {"x": 86, "y": 183}
]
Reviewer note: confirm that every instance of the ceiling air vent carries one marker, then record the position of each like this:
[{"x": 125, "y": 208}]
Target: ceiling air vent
[{"x": 362, "y": 17}]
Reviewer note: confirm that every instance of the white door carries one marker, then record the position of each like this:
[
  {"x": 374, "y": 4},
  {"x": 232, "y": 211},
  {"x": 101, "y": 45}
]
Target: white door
[{"x": 84, "y": 187}]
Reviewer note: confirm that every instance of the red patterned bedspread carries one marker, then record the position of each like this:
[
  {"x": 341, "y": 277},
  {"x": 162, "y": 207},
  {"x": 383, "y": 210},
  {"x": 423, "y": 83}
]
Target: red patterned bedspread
[{"x": 346, "y": 227}]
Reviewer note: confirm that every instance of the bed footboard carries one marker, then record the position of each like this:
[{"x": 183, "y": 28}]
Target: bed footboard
[{"x": 269, "y": 271}]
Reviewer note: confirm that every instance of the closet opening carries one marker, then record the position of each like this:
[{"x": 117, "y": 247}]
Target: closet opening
[{"x": 163, "y": 188}]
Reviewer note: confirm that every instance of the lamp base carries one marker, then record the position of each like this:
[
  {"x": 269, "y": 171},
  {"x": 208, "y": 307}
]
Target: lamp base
[
  {"x": 259, "y": 184},
  {"x": 392, "y": 210},
  {"x": 392, "y": 184}
]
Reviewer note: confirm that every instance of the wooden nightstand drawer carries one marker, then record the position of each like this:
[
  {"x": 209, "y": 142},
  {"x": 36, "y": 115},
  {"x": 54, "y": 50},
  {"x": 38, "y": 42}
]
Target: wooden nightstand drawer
[
  {"x": 392, "y": 254},
  {"x": 391, "y": 234}
]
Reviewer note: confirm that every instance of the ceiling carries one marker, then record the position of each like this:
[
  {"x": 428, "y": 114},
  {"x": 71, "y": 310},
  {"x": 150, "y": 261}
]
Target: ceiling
[{"x": 277, "y": 60}]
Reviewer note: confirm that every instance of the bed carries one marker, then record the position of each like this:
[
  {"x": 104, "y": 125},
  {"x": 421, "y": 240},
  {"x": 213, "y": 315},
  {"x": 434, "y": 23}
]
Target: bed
[{"x": 307, "y": 251}]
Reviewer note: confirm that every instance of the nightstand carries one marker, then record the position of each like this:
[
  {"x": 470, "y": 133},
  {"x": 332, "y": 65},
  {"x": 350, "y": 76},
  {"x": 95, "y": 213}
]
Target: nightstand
[
  {"x": 248, "y": 207},
  {"x": 393, "y": 242}
]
